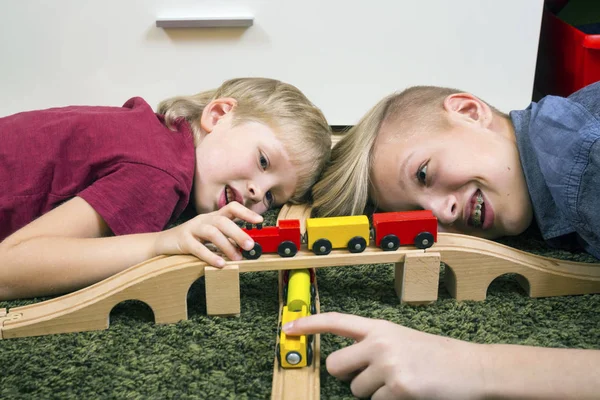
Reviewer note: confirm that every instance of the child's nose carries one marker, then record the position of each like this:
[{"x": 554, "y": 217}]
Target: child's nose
[
  {"x": 445, "y": 208},
  {"x": 255, "y": 192}
]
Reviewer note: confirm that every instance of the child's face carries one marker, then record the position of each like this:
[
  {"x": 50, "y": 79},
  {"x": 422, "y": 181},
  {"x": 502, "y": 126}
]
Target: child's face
[
  {"x": 470, "y": 177},
  {"x": 244, "y": 163}
]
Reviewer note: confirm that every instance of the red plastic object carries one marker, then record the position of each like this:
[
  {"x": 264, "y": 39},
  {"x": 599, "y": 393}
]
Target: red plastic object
[{"x": 568, "y": 59}]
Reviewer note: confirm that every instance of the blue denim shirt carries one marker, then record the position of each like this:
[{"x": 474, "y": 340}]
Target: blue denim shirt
[{"x": 560, "y": 153}]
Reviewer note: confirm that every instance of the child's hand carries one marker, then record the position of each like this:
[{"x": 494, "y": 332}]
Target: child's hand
[
  {"x": 217, "y": 228},
  {"x": 389, "y": 361}
]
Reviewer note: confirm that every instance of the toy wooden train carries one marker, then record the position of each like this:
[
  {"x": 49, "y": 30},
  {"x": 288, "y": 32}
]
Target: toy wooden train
[
  {"x": 299, "y": 294},
  {"x": 390, "y": 230}
]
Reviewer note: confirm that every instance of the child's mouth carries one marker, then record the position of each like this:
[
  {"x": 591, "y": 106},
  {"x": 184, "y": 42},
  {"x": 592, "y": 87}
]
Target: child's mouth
[{"x": 478, "y": 211}]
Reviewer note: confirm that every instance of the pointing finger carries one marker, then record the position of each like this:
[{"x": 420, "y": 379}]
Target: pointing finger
[{"x": 347, "y": 325}]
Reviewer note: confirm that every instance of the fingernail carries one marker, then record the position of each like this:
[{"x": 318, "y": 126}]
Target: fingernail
[
  {"x": 288, "y": 326},
  {"x": 221, "y": 263},
  {"x": 248, "y": 244}
]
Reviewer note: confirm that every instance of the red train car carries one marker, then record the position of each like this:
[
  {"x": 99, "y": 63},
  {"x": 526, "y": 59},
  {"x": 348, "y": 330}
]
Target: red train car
[
  {"x": 283, "y": 239},
  {"x": 393, "y": 229}
]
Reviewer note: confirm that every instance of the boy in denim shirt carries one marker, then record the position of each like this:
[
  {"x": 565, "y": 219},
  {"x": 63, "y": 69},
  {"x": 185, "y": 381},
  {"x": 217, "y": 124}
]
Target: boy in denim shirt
[{"x": 482, "y": 173}]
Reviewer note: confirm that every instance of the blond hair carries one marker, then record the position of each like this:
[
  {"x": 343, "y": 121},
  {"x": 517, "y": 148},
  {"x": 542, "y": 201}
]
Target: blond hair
[
  {"x": 298, "y": 124},
  {"x": 344, "y": 186}
]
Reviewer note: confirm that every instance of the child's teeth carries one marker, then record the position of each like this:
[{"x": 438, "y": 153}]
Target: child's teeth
[{"x": 476, "y": 215}]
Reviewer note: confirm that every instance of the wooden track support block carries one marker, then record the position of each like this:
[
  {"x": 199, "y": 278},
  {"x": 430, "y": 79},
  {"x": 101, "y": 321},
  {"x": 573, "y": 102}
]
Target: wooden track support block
[
  {"x": 222, "y": 290},
  {"x": 417, "y": 278}
]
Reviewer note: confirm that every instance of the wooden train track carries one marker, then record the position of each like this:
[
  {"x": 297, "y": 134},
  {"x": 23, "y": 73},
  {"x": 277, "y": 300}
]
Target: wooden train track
[
  {"x": 473, "y": 263},
  {"x": 163, "y": 282},
  {"x": 297, "y": 383}
]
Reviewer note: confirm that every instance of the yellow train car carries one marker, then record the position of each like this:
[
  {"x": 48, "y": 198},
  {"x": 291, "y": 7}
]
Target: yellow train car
[
  {"x": 298, "y": 291},
  {"x": 325, "y": 234},
  {"x": 296, "y": 351}
]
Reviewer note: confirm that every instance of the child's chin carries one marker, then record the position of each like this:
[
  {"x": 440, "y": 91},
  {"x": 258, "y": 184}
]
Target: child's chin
[{"x": 519, "y": 226}]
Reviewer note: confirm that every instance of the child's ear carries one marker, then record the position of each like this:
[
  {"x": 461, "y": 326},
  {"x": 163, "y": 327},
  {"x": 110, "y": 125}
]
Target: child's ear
[
  {"x": 469, "y": 108},
  {"x": 215, "y": 111}
]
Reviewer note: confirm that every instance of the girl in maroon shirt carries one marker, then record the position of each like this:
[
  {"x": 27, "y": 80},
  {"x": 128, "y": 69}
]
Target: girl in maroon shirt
[{"x": 87, "y": 191}]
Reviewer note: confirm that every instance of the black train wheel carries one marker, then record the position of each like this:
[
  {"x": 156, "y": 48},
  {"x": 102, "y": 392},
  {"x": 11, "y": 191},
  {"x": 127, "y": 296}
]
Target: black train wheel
[
  {"x": 390, "y": 243},
  {"x": 287, "y": 249},
  {"x": 424, "y": 240},
  {"x": 254, "y": 253},
  {"x": 309, "y": 355},
  {"x": 322, "y": 247},
  {"x": 278, "y": 350},
  {"x": 357, "y": 244},
  {"x": 313, "y": 299}
]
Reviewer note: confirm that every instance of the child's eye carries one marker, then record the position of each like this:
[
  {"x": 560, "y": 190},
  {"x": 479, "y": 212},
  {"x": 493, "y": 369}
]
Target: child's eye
[
  {"x": 264, "y": 163},
  {"x": 270, "y": 199},
  {"x": 422, "y": 174}
]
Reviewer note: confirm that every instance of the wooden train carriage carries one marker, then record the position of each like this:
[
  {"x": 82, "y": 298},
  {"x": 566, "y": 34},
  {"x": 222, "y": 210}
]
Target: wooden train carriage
[
  {"x": 393, "y": 229},
  {"x": 325, "y": 234},
  {"x": 296, "y": 351}
]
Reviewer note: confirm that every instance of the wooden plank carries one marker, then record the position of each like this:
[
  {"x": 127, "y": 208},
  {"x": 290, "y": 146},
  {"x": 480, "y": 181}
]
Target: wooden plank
[
  {"x": 163, "y": 282},
  {"x": 417, "y": 278},
  {"x": 473, "y": 263},
  {"x": 222, "y": 290},
  {"x": 298, "y": 383}
]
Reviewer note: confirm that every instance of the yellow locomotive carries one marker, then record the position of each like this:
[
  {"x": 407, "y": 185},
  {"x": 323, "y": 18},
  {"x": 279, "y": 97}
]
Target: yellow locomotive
[{"x": 299, "y": 294}]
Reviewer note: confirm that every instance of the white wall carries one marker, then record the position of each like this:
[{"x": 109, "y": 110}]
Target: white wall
[{"x": 345, "y": 55}]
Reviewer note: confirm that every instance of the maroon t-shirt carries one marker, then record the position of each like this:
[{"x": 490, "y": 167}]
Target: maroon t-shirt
[{"x": 134, "y": 171}]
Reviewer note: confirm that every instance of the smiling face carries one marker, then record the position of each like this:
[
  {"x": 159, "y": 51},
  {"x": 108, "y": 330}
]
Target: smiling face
[
  {"x": 469, "y": 174},
  {"x": 242, "y": 162}
]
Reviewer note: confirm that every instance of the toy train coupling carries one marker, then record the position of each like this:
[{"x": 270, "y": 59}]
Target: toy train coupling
[{"x": 304, "y": 238}]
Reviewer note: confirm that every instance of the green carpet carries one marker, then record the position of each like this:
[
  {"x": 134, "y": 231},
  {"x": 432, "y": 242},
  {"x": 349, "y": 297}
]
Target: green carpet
[{"x": 227, "y": 358}]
